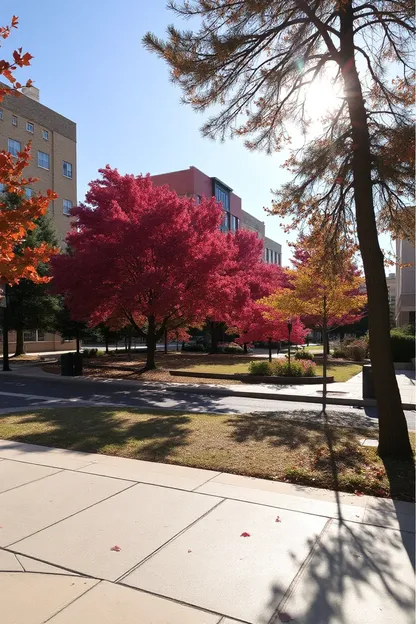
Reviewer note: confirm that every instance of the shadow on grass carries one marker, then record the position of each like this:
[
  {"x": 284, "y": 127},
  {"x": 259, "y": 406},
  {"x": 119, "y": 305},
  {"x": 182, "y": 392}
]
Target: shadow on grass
[{"x": 151, "y": 438}]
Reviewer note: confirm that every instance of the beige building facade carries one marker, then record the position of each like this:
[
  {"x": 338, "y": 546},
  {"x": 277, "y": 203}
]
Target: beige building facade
[
  {"x": 53, "y": 162},
  {"x": 405, "y": 283}
]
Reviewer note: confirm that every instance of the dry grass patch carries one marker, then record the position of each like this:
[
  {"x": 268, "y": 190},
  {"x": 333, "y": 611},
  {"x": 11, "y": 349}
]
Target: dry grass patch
[{"x": 260, "y": 445}]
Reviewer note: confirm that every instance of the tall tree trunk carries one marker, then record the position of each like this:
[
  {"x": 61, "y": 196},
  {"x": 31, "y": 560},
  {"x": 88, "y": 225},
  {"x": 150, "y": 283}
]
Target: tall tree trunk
[
  {"x": 20, "y": 343},
  {"x": 214, "y": 336},
  {"x": 245, "y": 348},
  {"x": 166, "y": 341},
  {"x": 393, "y": 433},
  {"x": 270, "y": 349},
  {"x": 106, "y": 342},
  {"x": 6, "y": 367},
  {"x": 77, "y": 338},
  {"x": 151, "y": 344},
  {"x": 325, "y": 366}
]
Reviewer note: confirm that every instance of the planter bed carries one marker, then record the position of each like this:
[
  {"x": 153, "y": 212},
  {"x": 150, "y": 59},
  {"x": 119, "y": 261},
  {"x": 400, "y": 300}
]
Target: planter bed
[{"x": 247, "y": 378}]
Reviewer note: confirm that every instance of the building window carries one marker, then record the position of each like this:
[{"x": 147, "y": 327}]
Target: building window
[
  {"x": 40, "y": 335},
  {"x": 226, "y": 222},
  {"x": 198, "y": 199},
  {"x": 67, "y": 203},
  {"x": 235, "y": 223},
  {"x": 14, "y": 147},
  {"x": 2, "y": 187},
  {"x": 45, "y": 135},
  {"x": 67, "y": 169},
  {"x": 30, "y": 127},
  {"x": 1, "y": 113},
  {"x": 29, "y": 193},
  {"x": 14, "y": 120},
  {"x": 43, "y": 160},
  {"x": 222, "y": 195},
  {"x": 29, "y": 336}
]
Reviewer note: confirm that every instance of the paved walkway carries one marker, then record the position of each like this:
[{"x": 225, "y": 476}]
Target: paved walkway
[{"x": 91, "y": 538}]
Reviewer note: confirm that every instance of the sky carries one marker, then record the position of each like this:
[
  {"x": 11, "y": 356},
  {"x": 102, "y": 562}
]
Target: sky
[{"x": 90, "y": 65}]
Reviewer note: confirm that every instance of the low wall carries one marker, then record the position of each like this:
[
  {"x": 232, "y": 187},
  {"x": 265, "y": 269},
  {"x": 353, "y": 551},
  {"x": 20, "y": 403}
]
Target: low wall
[{"x": 268, "y": 379}]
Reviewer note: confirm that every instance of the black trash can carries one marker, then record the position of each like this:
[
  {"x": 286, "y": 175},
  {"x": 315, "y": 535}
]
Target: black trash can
[
  {"x": 368, "y": 383},
  {"x": 77, "y": 364},
  {"x": 67, "y": 367}
]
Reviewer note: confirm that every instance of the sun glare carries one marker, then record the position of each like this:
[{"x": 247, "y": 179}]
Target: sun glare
[{"x": 321, "y": 98}]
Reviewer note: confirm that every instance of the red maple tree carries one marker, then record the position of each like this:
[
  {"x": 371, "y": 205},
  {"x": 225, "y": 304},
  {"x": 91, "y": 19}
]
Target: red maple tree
[
  {"x": 146, "y": 256},
  {"x": 258, "y": 324}
]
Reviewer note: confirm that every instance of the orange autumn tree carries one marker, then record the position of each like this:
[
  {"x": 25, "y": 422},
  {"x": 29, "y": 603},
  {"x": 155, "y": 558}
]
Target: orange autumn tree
[
  {"x": 20, "y": 215},
  {"x": 323, "y": 288}
]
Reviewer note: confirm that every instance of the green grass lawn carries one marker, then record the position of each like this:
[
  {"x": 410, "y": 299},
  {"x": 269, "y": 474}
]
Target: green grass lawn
[
  {"x": 341, "y": 372},
  {"x": 259, "y": 445}
]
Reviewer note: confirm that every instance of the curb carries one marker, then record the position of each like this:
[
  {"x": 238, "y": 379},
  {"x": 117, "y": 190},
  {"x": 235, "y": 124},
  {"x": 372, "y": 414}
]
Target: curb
[{"x": 270, "y": 396}]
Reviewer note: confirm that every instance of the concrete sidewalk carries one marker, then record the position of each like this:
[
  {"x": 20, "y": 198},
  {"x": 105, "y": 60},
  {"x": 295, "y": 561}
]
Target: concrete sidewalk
[{"x": 91, "y": 538}]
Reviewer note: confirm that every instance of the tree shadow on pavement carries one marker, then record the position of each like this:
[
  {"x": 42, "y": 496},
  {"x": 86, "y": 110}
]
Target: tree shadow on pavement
[
  {"x": 141, "y": 436},
  {"x": 354, "y": 573}
]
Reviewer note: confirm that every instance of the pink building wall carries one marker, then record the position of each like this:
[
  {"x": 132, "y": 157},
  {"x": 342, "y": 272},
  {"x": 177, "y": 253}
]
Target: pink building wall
[{"x": 194, "y": 182}]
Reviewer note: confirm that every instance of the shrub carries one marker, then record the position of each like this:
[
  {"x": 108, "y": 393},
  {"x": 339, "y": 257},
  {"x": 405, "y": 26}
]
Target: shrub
[
  {"x": 357, "y": 350},
  {"x": 260, "y": 368},
  {"x": 297, "y": 368},
  {"x": 193, "y": 347},
  {"x": 304, "y": 355},
  {"x": 232, "y": 347},
  {"x": 339, "y": 352},
  {"x": 402, "y": 346},
  {"x": 89, "y": 353}
]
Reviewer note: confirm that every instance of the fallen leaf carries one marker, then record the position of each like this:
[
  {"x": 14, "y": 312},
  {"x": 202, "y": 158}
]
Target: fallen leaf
[
  {"x": 115, "y": 548},
  {"x": 277, "y": 519},
  {"x": 245, "y": 534},
  {"x": 285, "y": 617},
  {"x": 189, "y": 550},
  {"x": 358, "y": 493}
]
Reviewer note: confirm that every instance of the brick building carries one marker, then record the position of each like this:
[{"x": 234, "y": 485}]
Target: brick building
[
  {"x": 53, "y": 139},
  {"x": 194, "y": 183}
]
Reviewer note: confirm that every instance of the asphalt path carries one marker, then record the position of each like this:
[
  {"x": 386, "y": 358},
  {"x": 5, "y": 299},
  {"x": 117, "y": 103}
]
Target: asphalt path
[{"x": 19, "y": 392}]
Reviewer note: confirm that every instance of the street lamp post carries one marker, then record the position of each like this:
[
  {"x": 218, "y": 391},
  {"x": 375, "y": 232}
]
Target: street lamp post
[{"x": 289, "y": 331}]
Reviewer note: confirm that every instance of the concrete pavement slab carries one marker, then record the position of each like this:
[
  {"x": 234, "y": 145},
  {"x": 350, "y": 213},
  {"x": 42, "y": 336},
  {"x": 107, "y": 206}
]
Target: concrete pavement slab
[
  {"x": 114, "y": 604},
  {"x": 43, "y": 455},
  {"x": 214, "y": 566},
  {"x": 284, "y": 501},
  {"x": 180, "y": 477},
  {"x": 388, "y": 513},
  {"x": 39, "y": 504},
  {"x": 33, "y": 565},
  {"x": 33, "y": 598},
  {"x": 357, "y": 574},
  {"x": 9, "y": 562},
  {"x": 138, "y": 521},
  {"x": 13, "y": 474}
]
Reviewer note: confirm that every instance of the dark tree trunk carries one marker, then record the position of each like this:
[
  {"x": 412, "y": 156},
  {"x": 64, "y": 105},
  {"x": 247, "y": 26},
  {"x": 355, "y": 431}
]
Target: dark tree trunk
[
  {"x": 245, "y": 348},
  {"x": 270, "y": 349},
  {"x": 214, "y": 336},
  {"x": 151, "y": 344},
  {"x": 20, "y": 343},
  {"x": 6, "y": 367},
  {"x": 325, "y": 366},
  {"x": 166, "y": 341},
  {"x": 106, "y": 343},
  {"x": 393, "y": 433},
  {"x": 77, "y": 338}
]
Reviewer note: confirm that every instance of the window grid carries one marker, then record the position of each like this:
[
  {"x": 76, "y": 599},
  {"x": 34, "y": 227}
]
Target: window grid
[
  {"x": 67, "y": 169},
  {"x": 14, "y": 120},
  {"x": 45, "y": 135},
  {"x": 13, "y": 147},
  {"x": 43, "y": 160},
  {"x": 30, "y": 127},
  {"x": 67, "y": 206}
]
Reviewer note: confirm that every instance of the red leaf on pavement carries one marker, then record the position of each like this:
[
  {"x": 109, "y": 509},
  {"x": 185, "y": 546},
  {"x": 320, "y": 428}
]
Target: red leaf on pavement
[
  {"x": 277, "y": 519},
  {"x": 189, "y": 550},
  {"x": 358, "y": 493},
  {"x": 285, "y": 617},
  {"x": 245, "y": 534},
  {"x": 115, "y": 548}
]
